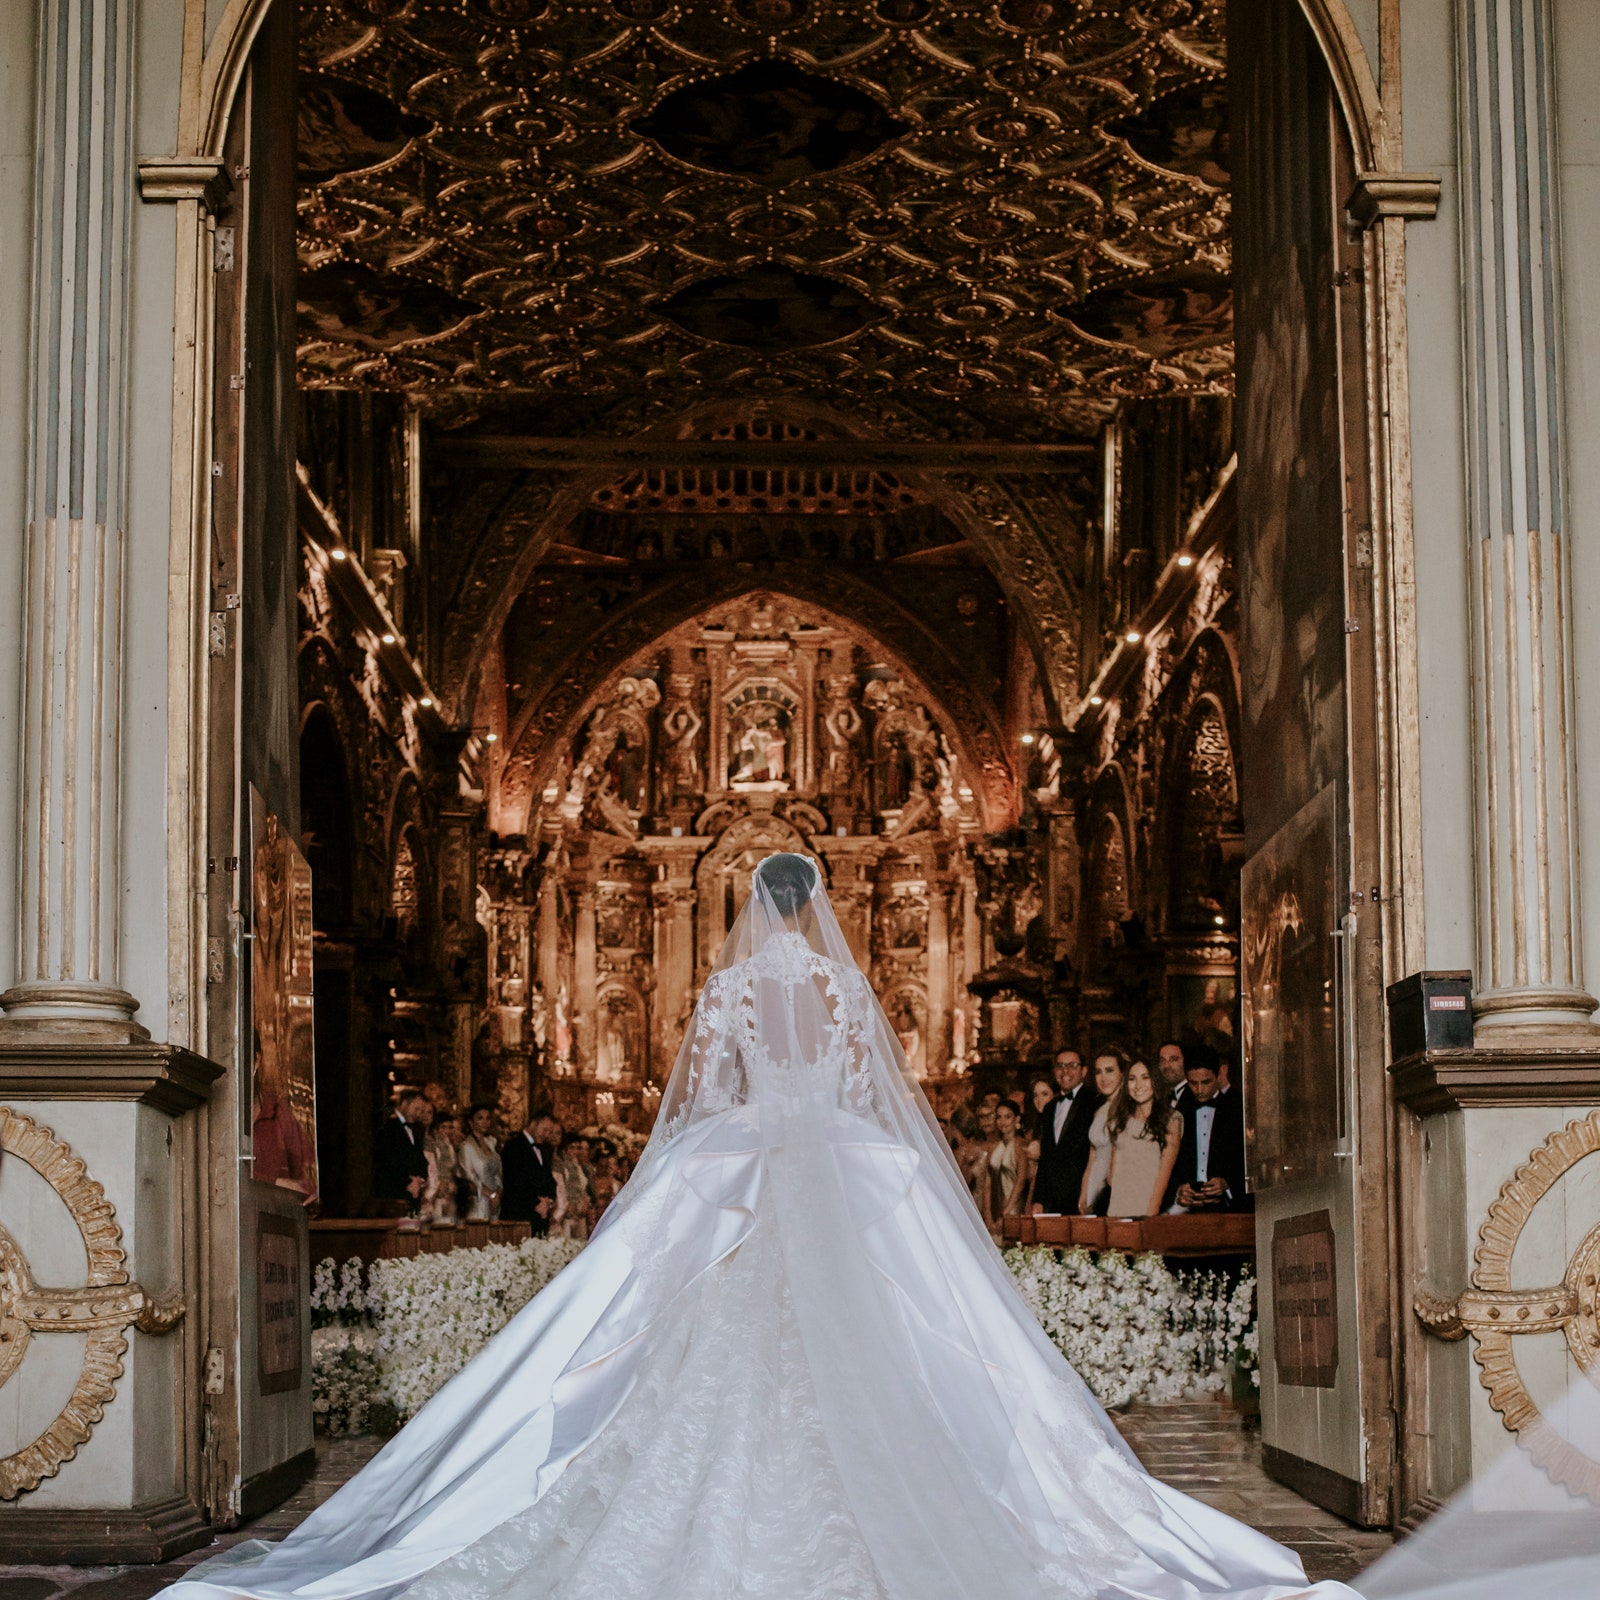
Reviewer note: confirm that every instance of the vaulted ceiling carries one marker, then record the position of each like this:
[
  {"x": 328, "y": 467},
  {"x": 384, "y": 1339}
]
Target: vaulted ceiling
[{"x": 1009, "y": 214}]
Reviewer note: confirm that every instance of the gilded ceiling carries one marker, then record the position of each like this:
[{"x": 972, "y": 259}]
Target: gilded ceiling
[{"x": 978, "y": 203}]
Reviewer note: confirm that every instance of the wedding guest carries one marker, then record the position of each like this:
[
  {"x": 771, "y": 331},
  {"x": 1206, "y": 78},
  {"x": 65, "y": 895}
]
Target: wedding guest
[
  {"x": 575, "y": 1174},
  {"x": 480, "y": 1165},
  {"x": 1064, "y": 1139},
  {"x": 1010, "y": 1174},
  {"x": 1041, "y": 1097},
  {"x": 442, "y": 1148},
  {"x": 968, "y": 1147},
  {"x": 400, "y": 1161},
  {"x": 1210, "y": 1170},
  {"x": 1171, "y": 1060},
  {"x": 281, "y": 1150},
  {"x": 986, "y": 1124},
  {"x": 1145, "y": 1134},
  {"x": 528, "y": 1162},
  {"x": 1110, "y": 1076},
  {"x": 604, "y": 1183}
]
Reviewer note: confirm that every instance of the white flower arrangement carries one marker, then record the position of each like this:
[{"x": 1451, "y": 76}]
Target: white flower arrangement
[
  {"x": 386, "y": 1338},
  {"x": 1133, "y": 1329}
]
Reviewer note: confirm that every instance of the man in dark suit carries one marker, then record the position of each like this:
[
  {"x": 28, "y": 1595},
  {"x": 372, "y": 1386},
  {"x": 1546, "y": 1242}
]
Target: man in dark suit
[
  {"x": 1064, "y": 1139},
  {"x": 528, "y": 1160},
  {"x": 400, "y": 1163},
  {"x": 1172, "y": 1060},
  {"x": 1210, "y": 1172}
]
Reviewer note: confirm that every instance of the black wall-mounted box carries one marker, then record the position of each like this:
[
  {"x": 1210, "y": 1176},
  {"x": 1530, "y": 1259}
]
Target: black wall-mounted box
[{"x": 1430, "y": 1011}]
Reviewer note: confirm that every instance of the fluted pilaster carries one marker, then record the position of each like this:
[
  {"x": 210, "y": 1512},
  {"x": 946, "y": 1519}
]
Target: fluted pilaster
[
  {"x": 71, "y": 744},
  {"x": 1530, "y": 946}
]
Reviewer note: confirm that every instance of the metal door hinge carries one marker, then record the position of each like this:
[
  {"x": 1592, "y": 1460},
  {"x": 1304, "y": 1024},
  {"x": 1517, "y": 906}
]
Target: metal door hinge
[{"x": 222, "y": 250}]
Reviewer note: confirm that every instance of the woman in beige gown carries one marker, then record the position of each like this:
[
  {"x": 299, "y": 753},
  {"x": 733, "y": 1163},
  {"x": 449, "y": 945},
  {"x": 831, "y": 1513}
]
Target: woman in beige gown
[
  {"x": 1145, "y": 1135},
  {"x": 1110, "y": 1074},
  {"x": 1008, "y": 1172}
]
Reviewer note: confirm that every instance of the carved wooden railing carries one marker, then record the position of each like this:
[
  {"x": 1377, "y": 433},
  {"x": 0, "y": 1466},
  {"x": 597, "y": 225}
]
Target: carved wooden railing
[
  {"x": 385, "y": 1239},
  {"x": 1227, "y": 1233}
]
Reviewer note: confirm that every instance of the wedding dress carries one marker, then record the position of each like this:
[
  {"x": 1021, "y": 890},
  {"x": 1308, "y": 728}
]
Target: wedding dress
[{"x": 790, "y": 1365}]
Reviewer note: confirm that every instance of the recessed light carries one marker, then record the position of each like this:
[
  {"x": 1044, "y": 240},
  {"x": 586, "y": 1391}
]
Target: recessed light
[
  {"x": 425, "y": 701},
  {"x": 1027, "y": 738},
  {"x": 1220, "y": 921},
  {"x": 1097, "y": 699},
  {"x": 490, "y": 738},
  {"x": 337, "y": 553},
  {"x": 1133, "y": 636},
  {"x": 1186, "y": 560},
  {"x": 388, "y": 638}
]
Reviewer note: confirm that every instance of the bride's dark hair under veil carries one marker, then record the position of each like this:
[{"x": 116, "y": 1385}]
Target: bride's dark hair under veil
[{"x": 788, "y": 1034}]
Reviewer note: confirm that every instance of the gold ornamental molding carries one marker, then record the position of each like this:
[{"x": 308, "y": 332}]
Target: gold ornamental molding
[
  {"x": 102, "y": 1310},
  {"x": 1496, "y": 1314}
]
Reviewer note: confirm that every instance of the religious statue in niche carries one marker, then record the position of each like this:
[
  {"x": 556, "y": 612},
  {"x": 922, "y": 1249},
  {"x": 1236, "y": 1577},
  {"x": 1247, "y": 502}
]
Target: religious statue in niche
[
  {"x": 615, "y": 1039},
  {"x": 907, "y": 924},
  {"x": 758, "y": 739},
  {"x": 626, "y": 769},
  {"x": 908, "y": 1030},
  {"x": 841, "y": 727},
  {"x": 622, "y": 924},
  {"x": 563, "y": 1031},
  {"x": 682, "y": 727}
]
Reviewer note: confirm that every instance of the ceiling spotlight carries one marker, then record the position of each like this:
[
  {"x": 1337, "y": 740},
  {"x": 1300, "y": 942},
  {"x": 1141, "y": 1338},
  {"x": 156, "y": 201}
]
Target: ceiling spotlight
[
  {"x": 388, "y": 638},
  {"x": 1027, "y": 738},
  {"x": 1185, "y": 560},
  {"x": 1133, "y": 636},
  {"x": 1097, "y": 699},
  {"x": 425, "y": 701},
  {"x": 1221, "y": 922},
  {"x": 337, "y": 554},
  {"x": 490, "y": 738}
]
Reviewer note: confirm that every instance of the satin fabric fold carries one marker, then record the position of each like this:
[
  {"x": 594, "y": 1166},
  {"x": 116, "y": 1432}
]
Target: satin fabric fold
[{"x": 495, "y": 1440}]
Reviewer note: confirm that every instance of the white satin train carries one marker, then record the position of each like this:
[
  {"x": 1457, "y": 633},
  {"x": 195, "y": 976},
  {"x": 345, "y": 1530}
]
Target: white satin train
[{"x": 648, "y": 1429}]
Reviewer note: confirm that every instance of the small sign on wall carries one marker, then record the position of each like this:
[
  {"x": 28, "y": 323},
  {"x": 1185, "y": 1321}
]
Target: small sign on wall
[
  {"x": 1305, "y": 1302},
  {"x": 280, "y": 1289}
]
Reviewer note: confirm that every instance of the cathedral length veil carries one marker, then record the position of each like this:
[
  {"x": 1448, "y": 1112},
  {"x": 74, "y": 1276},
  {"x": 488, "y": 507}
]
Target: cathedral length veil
[{"x": 970, "y": 1457}]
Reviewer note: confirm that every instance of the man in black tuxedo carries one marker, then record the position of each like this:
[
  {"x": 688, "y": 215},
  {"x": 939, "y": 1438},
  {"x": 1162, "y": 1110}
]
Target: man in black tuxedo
[
  {"x": 528, "y": 1160},
  {"x": 400, "y": 1162},
  {"x": 1064, "y": 1139},
  {"x": 1172, "y": 1061},
  {"x": 1210, "y": 1172}
]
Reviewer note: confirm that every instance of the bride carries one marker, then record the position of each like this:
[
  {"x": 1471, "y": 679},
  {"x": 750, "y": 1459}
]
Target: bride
[{"x": 790, "y": 1364}]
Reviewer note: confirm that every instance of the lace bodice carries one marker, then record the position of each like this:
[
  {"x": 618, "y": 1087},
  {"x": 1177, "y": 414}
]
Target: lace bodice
[{"x": 825, "y": 1043}]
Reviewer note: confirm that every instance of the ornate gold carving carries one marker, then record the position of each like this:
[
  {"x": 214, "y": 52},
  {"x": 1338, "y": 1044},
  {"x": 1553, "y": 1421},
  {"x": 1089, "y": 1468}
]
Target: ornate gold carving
[
  {"x": 102, "y": 1310},
  {"x": 1495, "y": 1313},
  {"x": 580, "y": 197}
]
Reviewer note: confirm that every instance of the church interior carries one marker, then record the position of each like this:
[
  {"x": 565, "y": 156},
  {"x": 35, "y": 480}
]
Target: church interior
[
  {"x": 577, "y": 644},
  {"x": 1103, "y": 478}
]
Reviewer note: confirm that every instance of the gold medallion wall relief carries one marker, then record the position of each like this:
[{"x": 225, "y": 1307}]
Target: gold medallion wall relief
[
  {"x": 1496, "y": 1313},
  {"x": 102, "y": 1310}
]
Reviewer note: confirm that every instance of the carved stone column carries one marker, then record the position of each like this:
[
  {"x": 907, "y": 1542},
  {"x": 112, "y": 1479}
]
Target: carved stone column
[
  {"x": 585, "y": 943},
  {"x": 674, "y": 952},
  {"x": 1530, "y": 949},
  {"x": 71, "y": 744},
  {"x": 939, "y": 976}
]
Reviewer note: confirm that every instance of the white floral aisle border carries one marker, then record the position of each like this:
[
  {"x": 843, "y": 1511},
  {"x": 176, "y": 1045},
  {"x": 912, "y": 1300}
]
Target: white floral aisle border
[
  {"x": 387, "y": 1337},
  {"x": 1135, "y": 1330}
]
